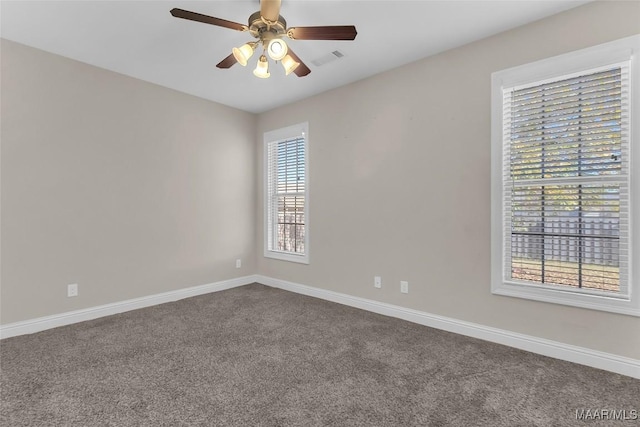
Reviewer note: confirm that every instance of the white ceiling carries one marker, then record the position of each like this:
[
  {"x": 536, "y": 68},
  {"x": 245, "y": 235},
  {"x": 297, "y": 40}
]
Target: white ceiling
[{"x": 141, "y": 39}]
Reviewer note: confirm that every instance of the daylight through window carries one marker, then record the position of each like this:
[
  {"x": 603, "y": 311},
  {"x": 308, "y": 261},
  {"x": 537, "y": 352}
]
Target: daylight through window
[
  {"x": 565, "y": 196},
  {"x": 566, "y": 163},
  {"x": 286, "y": 193}
]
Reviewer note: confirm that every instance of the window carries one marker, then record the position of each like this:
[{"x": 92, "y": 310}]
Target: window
[
  {"x": 563, "y": 191},
  {"x": 286, "y": 194}
]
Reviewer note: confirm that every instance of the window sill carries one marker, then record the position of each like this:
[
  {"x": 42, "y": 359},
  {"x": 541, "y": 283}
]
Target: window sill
[
  {"x": 611, "y": 304},
  {"x": 287, "y": 256}
]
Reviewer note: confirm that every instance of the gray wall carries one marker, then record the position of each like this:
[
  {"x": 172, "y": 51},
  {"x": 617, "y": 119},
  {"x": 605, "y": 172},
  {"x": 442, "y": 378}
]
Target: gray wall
[
  {"x": 126, "y": 188},
  {"x": 400, "y": 184}
]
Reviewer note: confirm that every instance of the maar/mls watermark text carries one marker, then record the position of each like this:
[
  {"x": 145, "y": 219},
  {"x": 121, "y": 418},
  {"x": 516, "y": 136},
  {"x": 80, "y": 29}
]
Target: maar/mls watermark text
[{"x": 605, "y": 414}]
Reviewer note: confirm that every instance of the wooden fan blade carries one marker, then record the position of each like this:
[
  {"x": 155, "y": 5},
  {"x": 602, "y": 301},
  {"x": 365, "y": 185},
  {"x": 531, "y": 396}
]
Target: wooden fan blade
[
  {"x": 270, "y": 9},
  {"x": 302, "y": 69},
  {"x": 227, "y": 62},
  {"x": 193, "y": 16},
  {"x": 335, "y": 32}
]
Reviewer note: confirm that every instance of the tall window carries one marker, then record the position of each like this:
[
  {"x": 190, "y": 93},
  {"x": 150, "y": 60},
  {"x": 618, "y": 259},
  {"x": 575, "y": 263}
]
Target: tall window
[
  {"x": 286, "y": 194},
  {"x": 565, "y": 183}
]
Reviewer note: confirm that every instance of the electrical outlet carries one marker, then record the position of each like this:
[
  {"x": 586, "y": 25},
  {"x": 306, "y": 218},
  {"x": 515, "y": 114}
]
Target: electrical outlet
[
  {"x": 72, "y": 290},
  {"x": 238, "y": 263},
  {"x": 404, "y": 287},
  {"x": 377, "y": 282}
]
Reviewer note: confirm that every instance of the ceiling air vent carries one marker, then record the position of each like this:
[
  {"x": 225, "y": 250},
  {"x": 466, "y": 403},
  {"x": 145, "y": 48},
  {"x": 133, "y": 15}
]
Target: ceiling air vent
[{"x": 329, "y": 57}]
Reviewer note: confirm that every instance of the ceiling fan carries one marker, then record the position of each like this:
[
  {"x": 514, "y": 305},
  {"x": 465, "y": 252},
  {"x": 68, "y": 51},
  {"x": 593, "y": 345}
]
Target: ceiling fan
[{"x": 269, "y": 28}]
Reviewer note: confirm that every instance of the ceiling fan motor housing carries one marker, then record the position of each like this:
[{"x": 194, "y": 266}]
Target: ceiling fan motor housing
[{"x": 265, "y": 30}]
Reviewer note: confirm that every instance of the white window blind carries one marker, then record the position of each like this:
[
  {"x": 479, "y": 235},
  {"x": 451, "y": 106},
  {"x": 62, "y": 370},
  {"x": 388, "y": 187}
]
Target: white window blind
[
  {"x": 566, "y": 182},
  {"x": 286, "y": 196}
]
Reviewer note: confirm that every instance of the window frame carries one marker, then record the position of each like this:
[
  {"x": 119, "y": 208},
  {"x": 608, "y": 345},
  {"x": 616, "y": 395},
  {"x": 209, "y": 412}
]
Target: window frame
[
  {"x": 275, "y": 136},
  {"x": 581, "y": 61}
]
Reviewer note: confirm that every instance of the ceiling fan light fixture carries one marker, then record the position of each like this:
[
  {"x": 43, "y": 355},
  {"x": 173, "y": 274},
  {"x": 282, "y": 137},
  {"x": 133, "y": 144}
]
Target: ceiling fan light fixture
[
  {"x": 277, "y": 49},
  {"x": 269, "y": 28},
  {"x": 244, "y": 52},
  {"x": 262, "y": 69},
  {"x": 289, "y": 64}
]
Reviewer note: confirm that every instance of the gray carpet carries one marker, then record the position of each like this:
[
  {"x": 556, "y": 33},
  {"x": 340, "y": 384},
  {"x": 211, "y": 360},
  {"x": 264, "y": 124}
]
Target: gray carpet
[{"x": 257, "y": 356}]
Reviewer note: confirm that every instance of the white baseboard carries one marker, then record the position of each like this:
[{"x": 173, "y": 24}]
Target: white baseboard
[
  {"x": 558, "y": 350},
  {"x": 42, "y": 323}
]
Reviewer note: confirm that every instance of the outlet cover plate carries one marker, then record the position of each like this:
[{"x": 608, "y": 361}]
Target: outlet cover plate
[
  {"x": 72, "y": 290},
  {"x": 377, "y": 282},
  {"x": 404, "y": 287}
]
